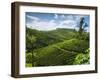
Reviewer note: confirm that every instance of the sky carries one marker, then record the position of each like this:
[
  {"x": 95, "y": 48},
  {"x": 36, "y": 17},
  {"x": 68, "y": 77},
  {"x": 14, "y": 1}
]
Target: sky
[{"x": 51, "y": 21}]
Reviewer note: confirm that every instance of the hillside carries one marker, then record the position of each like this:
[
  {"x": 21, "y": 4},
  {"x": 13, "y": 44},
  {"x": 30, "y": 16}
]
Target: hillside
[
  {"x": 60, "y": 54},
  {"x": 45, "y": 38},
  {"x": 56, "y": 47}
]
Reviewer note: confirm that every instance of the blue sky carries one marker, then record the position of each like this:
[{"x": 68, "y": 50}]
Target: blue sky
[{"x": 51, "y": 21}]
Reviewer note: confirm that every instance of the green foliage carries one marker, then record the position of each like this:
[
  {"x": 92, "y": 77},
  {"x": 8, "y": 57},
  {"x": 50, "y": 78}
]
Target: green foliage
[
  {"x": 28, "y": 65},
  {"x": 56, "y": 47},
  {"x": 74, "y": 45},
  {"x": 28, "y": 58},
  {"x": 62, "y": 53},
  {"x": 82, "y": 25},
  {"x": 82, "y": 58},
  {"x": 83, "y": 36},
  {"x": 30, "y": 40},
  {"x": 45, "y": 38},
  {"x": 63, "y": 34}
]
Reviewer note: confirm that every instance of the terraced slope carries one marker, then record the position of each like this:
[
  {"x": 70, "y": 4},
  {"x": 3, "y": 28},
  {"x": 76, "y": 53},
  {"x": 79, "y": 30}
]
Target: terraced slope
[{"x": 62, "y": 53}]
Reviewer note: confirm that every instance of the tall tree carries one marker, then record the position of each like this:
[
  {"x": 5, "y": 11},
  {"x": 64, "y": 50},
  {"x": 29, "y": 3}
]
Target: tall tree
[
  {"x": 82, "y": 25},
  {"x": 30, "y": 40}
]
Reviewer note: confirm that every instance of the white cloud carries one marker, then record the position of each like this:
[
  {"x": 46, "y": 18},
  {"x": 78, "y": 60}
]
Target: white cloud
[
  {"x": 87, "y": 29},
  {"x": 40, "y": 24},
  {"x": 32, "y": 17},
  {"x": 55, "y": 16},
  {"x": 68, "y": 23},
  {"x": 63, "y": 17},
  {"x": 51, "y": 25},
  {"x": 70, "y": 17},
  {"x": 78, "y": 17}
]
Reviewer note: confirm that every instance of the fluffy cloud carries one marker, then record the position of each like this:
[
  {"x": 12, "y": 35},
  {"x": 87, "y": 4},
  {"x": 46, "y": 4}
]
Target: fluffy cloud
[
  {"x": 55, "y": 16},
  {"x": 32, "y": 17},
  {"x": 68, "y": 21},
  {"x": 63, "y": 17},
  {"x": 42, "y": 25},
  {"x": 71, "y": 24}
]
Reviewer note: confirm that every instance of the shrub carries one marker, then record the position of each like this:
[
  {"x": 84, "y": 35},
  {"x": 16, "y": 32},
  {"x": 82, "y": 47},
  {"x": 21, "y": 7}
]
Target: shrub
[{"x": 82, "y": 58}]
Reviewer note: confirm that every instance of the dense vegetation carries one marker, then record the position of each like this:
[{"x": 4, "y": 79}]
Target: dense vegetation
[{"x": 57, "y": 47}]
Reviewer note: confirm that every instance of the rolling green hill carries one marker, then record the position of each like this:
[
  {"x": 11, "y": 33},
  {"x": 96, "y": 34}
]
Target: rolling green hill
[
  {"x": 62, "y": 53},
  {"x": 56, "y": 47},
  {"x": 45, "y": 38}
]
